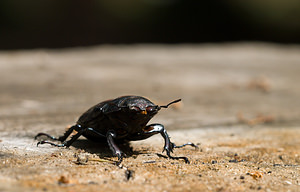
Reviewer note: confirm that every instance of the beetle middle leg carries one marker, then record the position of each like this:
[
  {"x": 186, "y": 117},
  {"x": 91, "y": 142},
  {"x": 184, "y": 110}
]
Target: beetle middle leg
[{"x": 113, "y": 146}]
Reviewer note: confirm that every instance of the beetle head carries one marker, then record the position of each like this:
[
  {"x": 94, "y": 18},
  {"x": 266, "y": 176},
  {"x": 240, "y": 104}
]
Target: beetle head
[
  {"x": 146, "y": 107},
  {"x": 155, "y": 108}
]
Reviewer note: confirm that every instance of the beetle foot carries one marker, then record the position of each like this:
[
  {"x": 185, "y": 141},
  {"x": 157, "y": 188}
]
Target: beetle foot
[
  {"x": 45, "y": 134},
  {"x": 189, "y": 143},
  {"x": 169, "y": 147},
  {"x": 186, "y": 160},
  {"x": 48, "y": 142},
  {"x": 120, "y": 159},
  {"x": 120, "y": 156},
  {"x": 168, "y": 150}
]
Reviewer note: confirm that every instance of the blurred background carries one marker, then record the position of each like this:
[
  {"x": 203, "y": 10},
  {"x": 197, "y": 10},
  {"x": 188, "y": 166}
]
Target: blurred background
[
  {"x": 66, "y": 23},
  {"x": 226, "y": 48}
]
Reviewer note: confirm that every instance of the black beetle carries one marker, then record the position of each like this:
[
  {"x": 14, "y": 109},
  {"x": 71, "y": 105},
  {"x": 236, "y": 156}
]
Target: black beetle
[{"x": 119, "y": 120}]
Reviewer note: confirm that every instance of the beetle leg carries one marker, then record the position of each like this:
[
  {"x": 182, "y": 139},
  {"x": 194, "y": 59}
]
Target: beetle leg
[
  {"x": 189, "y": 143},
  {"x": 66, "y": 143},
  {"x": 61, "y": 138},
  {"x": 48, "y": 142},
  {"x": 113, "y": 146},
  {"x": 47, "y": 135},
  {"x": 169, "y": 146}
]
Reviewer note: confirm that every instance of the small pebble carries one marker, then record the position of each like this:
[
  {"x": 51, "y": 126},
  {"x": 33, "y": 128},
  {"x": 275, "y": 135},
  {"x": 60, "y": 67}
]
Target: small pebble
[
  {"x": 92, "y": 183},
  {"x": 81, "y": 159},
  {"x": 128, "y": 174},
  {"x": 63, "y": 180},
  {"x": 287, "y": 182}
]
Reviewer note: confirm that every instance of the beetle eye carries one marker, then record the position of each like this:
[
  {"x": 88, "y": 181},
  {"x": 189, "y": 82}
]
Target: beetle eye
[{"x": 151, "y": 109}]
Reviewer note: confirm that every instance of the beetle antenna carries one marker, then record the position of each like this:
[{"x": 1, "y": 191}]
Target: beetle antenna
[{"x": 166, "y": 106}]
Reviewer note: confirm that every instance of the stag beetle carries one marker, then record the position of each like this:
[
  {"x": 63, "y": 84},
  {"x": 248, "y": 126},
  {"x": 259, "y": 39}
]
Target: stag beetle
[{"x": 118, "y": 120}]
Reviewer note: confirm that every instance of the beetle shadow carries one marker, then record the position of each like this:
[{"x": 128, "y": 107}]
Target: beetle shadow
[{"x": 102, "y": 149}]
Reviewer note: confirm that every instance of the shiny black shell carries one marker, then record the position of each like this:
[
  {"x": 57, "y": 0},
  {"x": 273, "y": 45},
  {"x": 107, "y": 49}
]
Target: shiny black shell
[{"x": 126, "y": 115}]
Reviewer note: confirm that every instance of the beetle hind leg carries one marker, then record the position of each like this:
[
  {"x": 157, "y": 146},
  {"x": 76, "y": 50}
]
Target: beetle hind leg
[
  {"x": 47, "y": 135},
  {"x": 61, "y": 138},
  {"x": 53, "y": 144}
]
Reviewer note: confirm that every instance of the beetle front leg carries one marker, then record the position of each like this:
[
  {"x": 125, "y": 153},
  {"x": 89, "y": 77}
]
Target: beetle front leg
[
  {"x": 188, "y": 143},
  {"x": 113, "y": 146},
  {"x": 169, "y": 146}
]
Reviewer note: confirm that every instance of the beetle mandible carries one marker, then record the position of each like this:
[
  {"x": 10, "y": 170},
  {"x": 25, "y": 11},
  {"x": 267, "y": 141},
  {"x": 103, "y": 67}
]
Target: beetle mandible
[{"x": 118, "y": 120}]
